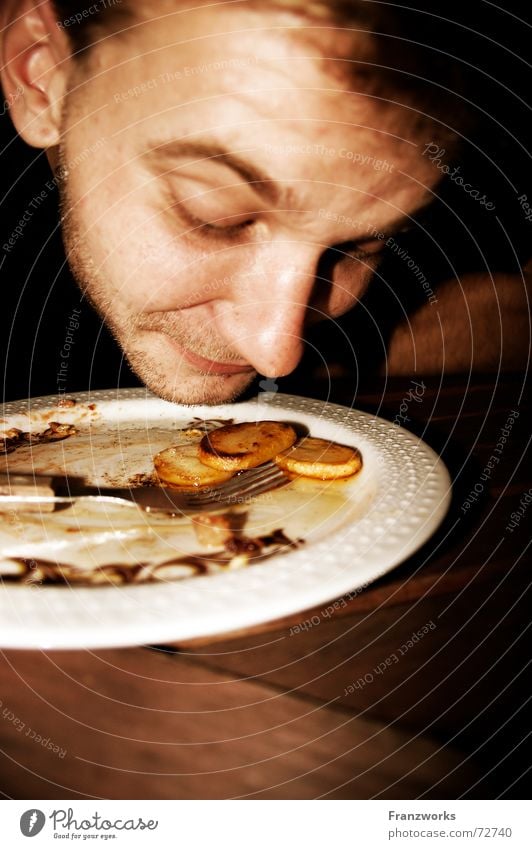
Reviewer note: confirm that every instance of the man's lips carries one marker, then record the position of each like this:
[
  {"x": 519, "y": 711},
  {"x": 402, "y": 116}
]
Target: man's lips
[{"x": 208, "y": 367}]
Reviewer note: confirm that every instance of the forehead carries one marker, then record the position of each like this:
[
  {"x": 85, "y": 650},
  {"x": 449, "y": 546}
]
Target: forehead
[
  {"x": 236, "y": 52},
  {"x": 257, "y": 84}
]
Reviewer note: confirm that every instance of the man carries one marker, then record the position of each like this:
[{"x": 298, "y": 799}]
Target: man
[{"x": 230, "y": 175}]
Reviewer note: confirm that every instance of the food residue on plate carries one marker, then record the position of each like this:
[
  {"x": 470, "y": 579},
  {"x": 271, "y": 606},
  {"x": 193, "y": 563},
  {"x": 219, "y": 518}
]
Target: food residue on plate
[
  {"x": 238, "y": 551},
  {"x": 15, "y": 438},
  {"x": 95, "y": 545}
]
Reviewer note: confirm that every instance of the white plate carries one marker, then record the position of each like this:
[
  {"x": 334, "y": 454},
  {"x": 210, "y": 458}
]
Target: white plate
[{"x": 379, "y": 519}]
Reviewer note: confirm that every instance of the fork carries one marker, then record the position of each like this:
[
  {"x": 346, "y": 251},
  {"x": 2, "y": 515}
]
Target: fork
[{"x": 46, "y": 496}]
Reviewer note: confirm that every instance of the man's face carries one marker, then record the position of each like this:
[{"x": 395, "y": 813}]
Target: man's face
[{"x": 224, "y": 192}]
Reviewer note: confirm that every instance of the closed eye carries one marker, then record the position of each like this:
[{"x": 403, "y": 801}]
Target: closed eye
[
  {"x": 224, "y": 228},
  {"x": 359, "y": 250}
]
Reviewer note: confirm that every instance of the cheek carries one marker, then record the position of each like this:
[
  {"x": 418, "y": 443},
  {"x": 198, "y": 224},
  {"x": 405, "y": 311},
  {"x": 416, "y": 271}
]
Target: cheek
[
  {"x": 132, "y": 250},
  {"x": 136, "y": 250}
]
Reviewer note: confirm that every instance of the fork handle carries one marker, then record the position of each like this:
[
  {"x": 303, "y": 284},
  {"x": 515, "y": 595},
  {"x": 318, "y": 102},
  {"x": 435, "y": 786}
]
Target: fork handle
[{"x": 35, "y": 486}]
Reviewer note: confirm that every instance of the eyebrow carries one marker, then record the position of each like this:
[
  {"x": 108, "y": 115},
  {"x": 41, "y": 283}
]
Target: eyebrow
[
  {"x": 261, "y": 182},
  {"x": 258, "y": 179}
]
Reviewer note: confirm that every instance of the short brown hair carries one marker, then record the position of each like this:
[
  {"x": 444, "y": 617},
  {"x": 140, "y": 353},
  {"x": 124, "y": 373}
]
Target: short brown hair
[{"x": 406, "y": 54}]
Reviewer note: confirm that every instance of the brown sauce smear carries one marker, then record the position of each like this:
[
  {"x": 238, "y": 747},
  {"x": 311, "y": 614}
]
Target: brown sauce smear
[{"x": 45, "y": 572}]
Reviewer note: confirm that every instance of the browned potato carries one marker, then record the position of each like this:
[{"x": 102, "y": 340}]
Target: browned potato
[
  {"x": 245, "y": 445},
  {"x": 319, "y": 458},
  {"x": 180, "y": 466}
]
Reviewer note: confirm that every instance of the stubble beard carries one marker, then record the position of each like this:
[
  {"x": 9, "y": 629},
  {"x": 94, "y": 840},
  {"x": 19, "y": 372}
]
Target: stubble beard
[{"x": 127, "y": 328}]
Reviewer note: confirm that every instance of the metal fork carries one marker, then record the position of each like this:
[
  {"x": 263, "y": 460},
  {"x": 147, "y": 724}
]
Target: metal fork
[{"x": 152, "y": 499}]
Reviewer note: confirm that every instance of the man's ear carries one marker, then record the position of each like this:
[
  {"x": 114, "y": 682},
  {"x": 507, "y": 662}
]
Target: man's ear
[{"x": 35, "y": 62}]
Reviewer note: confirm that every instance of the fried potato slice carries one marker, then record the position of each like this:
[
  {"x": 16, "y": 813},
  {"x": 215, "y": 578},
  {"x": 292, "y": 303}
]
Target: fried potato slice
[
  {"x": 245, "y": 445},
  {"x": 319, "y": 458},
  {"x": 180, "y": 466}
]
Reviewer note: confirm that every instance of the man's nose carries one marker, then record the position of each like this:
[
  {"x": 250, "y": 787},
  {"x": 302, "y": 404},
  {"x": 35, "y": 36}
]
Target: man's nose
[{"x": 263, "y": 319}]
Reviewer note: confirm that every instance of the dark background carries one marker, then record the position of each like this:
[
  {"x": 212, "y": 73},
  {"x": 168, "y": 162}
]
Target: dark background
[
  {"x": 482, "y": 706},
  {"x": 39, "y": 293}
]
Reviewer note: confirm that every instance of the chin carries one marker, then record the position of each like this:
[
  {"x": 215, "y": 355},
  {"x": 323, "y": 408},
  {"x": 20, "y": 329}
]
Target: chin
[{"x": 189, "y": 389}]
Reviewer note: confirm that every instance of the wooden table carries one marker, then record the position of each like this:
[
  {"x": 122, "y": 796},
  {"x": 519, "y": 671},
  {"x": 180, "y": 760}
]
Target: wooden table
[{"x": 324, "y": 710}]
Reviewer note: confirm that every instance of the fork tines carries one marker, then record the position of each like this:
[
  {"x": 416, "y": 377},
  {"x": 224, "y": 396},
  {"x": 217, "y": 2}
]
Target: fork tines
[{"x": 247, "y": 483}]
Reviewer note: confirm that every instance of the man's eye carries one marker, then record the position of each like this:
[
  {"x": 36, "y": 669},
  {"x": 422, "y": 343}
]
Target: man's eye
[
  {"x": 365, "y": 255},
  {"x": 361, "y": 252},
  {"x": 224, "y": 228}
]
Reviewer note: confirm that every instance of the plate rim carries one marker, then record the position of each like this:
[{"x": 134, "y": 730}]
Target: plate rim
[{"x": 153, "y": 632}]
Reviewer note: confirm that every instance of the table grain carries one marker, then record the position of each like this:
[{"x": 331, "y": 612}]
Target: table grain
[{"x": 416, "y": 687}]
